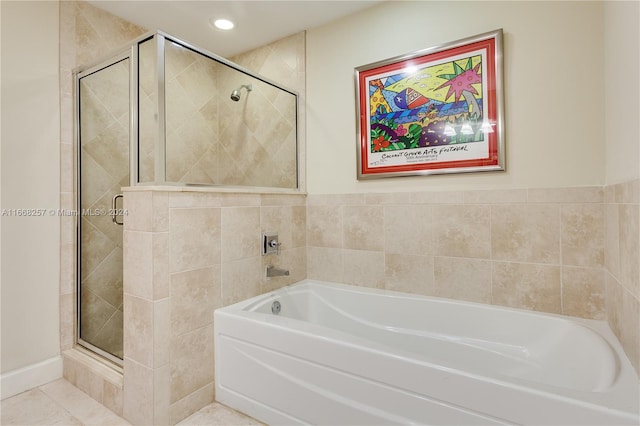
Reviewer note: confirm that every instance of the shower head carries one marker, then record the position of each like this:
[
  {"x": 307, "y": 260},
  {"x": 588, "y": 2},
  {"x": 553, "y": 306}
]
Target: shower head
[{"x": 235, "y": 95}]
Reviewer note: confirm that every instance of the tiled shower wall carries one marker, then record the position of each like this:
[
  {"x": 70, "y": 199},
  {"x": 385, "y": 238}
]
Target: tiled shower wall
[
  {"x": 86, "y": 34},
  {"x": 186, "y": 254},
  {"x": 211, "y": 139}
]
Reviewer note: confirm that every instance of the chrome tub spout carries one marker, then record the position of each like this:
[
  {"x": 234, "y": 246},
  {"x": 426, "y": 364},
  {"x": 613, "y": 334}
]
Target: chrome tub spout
[{"x": 272, "y": 271}]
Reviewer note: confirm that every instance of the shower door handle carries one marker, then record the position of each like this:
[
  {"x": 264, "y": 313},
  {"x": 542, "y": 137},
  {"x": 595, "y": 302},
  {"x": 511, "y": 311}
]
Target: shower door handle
[{"x": 114, "y": 209}]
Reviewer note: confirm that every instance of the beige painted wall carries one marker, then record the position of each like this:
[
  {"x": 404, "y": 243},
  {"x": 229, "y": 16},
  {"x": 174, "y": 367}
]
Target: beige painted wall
[
  {"x": 30, "y": 180},
  {"x": 553, "y": 85},
  {"x": 622, "y": 90}
]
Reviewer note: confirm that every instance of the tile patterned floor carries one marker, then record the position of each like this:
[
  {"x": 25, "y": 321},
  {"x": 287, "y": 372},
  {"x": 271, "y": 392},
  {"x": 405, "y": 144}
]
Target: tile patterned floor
[{"x": 60, "y": 403}]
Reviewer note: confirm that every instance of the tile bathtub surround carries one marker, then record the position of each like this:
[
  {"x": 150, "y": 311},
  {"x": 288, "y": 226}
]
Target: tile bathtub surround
[
  {"x": 571, "y": 251},
  {"x": 622, "y": 265},
  {"x": 538, "y": 249},
  {"x": 187, "y": 253}
]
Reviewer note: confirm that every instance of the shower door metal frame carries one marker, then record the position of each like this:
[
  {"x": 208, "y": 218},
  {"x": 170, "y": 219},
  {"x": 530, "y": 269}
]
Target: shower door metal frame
[
  {"x": 160, "y": 177},
  {"x": 131, "y": 52},
  {"x": 78, "y": 75}
]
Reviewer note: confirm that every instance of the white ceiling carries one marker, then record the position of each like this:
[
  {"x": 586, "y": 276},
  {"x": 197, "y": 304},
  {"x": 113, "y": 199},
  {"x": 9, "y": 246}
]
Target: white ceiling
[{"x": 257, "y": 22}]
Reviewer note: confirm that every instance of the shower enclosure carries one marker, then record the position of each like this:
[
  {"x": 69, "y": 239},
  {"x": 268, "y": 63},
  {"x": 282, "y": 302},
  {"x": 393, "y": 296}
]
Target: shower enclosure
[{"x": 163, "y": 112}]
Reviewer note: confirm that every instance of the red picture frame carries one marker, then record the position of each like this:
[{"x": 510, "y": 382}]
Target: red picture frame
[{"x": 438, "y": 110}]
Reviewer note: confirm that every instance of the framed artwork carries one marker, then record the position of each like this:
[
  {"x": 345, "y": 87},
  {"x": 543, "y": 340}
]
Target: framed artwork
[{"x": 438, "y": 110}]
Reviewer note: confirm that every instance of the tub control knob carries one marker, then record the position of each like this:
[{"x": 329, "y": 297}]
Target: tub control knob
[
  {"x": 275, "y": 307},
  {"x": 270, "y": 244},
  {"x": 274, "y": 244}
]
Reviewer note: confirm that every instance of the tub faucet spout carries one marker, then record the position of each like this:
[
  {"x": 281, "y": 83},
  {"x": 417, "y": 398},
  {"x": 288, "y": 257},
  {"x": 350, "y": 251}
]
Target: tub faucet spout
[{"x": 272, "y": 271}]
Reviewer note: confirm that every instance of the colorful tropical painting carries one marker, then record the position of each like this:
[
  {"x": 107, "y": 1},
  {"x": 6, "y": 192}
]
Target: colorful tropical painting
[
  {"x": 430, "y": 111},
  {"x": 431, "y": 106}
]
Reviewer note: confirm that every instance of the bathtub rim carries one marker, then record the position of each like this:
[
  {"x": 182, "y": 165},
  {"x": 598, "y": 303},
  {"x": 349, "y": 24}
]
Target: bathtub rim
[{"x": 627, "y": 380}]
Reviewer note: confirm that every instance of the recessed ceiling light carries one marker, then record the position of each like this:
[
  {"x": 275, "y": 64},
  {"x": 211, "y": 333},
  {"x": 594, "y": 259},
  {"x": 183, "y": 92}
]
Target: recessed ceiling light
[{"x": 222, "y": 24}]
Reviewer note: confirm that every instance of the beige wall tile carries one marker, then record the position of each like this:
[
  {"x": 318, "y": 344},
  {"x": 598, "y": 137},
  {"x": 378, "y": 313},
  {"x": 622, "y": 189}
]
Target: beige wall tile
[
  {"x": 324, "y": 226},
  {"x": 194, "y": 199},
  {"x": 381, "y": 199},
  {"x": 612, "y": 239},
  {"x": 277, "y": 219},
  {"x": 628, "y": 192},
  {"x": 162, "y": 395},
  {"x": 67, "y": 167},
  {"x": 364, "y": 268},
  {"x": 81, "y": 374},
  {"x": 409, "y": 273},
  {"x": 583, "y": 235},
  {"x": 408, "y": 229},
  {"x": 191, "y": 362},
  {"x": 283, "y": 200},
  {"x": 298, "y": 226},
  {"x": 67, "y": 223},
  {"x": 526, "y": 233},
  {"x": 288, "y": 221},
  {"x": 69, "y": 369},
  {"x": 161, "y": 332},
  {"x": 335, "y": 199},
  {"x": 623, "y": 315},
  {"x": 67, "y": 34},
  {"x": 462, "y": 230},
  {"x": 239, "y": 200},
  {"x": 583, "y": 292},
  {"x": 496, "y": 196},
  {"x": 461, "y": 278},
  {"x": 423, "y": 197},
  {"x": 98, "y": 31},
  {"x": 67, "y": 268},
  {"x": 241, "y": 279},
  {"x": 194, "y": 238},
  {"x": 362, "y": 227},
  {"x": 138, "y": 330},
  {"x": 160, "y": 243},
  {"x": 325, "y": 264},
  {"x": 89, "y": 382},
  {"x": 593, "y": 194},
  {"x": 138, "y": 264},
  {"x": 609, "y": 194},
  {"x": 67, "y": 321},
  {"x": 160, "y": 222},
  {"x": 527, "y": 286},
  {"x": 138, "y": 393},
  {"x": 629, "y": 222},
  {"x": 240, "y": 233},
  {"x": 188, "y": 405},
  {"x": 194, "y": 296},
  {"x": 112, "y": 397}
]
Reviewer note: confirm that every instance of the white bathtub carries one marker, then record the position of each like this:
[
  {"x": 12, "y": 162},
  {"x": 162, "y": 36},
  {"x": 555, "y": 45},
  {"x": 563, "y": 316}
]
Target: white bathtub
[{"x": 344, "y": 355}]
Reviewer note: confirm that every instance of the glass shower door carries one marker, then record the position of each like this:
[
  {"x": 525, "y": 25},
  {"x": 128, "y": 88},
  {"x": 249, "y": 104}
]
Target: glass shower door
[{"x": 103, "y": 161}]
